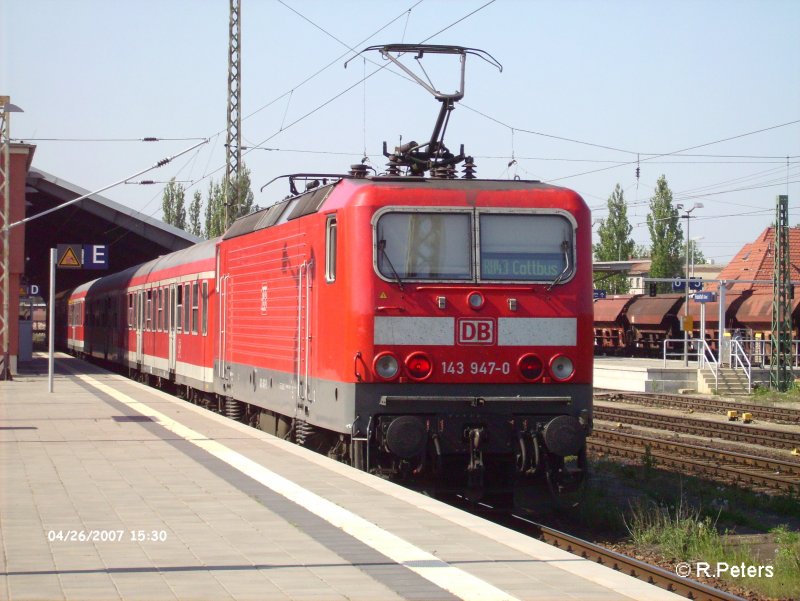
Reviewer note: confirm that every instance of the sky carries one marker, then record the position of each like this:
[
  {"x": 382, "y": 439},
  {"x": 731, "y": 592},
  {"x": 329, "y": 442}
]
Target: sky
[{"x": 706, "y": 93}]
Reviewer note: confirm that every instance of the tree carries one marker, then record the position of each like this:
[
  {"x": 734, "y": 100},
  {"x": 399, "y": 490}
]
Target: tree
[
  {"x": 240, "y": 203},
  {"x": 179, "y": 212},
  {"x": 666, "y": 235},
  {"x": 696, "y": 256},
  {"x": 194, "y": 215},
  {"x": 172, "y": 204},
  {"x": 241, "y": 197},
  {"x": 215, "y": 210},
  {"x": 640, "y": 251},
  {"x": 615, "y": 243}
]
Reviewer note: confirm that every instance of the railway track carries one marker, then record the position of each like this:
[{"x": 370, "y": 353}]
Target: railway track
[
  {"x": 772, "y": 413},
  {"x": 670, "y": 581},
  {"x": 742, "y": 469},
  {"x": 736, "y": 432},
  {"x": 655, "y": 575}
]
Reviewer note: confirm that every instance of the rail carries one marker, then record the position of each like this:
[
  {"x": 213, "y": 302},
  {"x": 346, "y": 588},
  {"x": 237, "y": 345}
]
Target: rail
[
  {"x": 700, "y": 404},
  {"x": 744, "y": 469},
  {"x": 655, "y": 575},
  {"x": 740, "y": 361}
]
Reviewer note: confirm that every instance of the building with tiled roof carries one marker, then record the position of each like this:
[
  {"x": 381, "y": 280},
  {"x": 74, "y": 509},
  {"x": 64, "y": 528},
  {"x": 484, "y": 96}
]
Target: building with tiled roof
[{"x": 756, "y": 261}]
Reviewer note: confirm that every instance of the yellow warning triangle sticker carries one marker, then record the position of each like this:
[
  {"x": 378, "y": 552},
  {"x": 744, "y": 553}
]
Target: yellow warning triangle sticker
[
  {"x": 69, "y": 259},
  {"x": 383, "y": 295}
]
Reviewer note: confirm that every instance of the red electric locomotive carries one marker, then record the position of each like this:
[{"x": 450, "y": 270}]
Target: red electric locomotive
[{"x": 424, "y": 327}]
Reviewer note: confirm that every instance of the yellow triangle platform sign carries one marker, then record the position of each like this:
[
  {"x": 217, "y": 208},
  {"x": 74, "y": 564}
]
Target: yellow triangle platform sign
[{"x": 68, "y": 256}]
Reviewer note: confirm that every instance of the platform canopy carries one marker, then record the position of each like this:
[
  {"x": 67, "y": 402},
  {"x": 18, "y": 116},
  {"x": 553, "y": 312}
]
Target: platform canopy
[{"x": 131, "y": 237}]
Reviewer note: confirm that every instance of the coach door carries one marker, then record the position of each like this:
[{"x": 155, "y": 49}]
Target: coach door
[{"x": 172, "y": 317}]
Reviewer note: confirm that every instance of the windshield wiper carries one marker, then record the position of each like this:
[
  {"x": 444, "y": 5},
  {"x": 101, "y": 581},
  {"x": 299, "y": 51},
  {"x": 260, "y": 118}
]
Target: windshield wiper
[
  {"x": 565, "y": 249},
  {"x": 382, "y": 251}
]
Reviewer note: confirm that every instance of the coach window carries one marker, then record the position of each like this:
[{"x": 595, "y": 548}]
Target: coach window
[
  {"x": 526, "y": 247},
  {"x": 178, "y": 308},
  {"x": 424, "y": 246},
  {"x": 204, "y": 299},
  {"x": 330, "y": 249},
  {"x": 169, "y": 294},
  {"x": 195, "y": 307},
  {"x": 187, "y": 309},
  {"x": 149, "y": 311},
  {"x": 160, "y": 314},
  {"x": 130, "y": 310}
]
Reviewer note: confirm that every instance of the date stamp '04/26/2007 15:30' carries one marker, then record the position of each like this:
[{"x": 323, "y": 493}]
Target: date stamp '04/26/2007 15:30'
[{"x": 110, "y": 536}]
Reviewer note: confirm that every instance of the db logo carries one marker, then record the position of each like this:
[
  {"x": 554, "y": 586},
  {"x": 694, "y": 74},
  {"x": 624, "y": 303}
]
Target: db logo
[{"x": 476, "y": 331}]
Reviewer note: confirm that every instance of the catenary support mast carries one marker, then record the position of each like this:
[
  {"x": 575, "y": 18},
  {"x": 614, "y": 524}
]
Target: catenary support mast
[
  {"x": 781, "y": 357},
  {"x": 233, "y": 144}
]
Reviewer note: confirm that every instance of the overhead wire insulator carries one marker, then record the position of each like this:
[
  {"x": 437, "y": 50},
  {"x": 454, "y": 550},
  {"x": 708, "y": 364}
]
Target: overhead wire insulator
[{"x": 469, "y": 168}]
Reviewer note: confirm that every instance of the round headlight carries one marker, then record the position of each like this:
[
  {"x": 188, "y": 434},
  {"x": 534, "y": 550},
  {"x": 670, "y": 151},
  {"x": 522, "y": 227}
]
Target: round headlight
[
  {"x": 475, "y": 300},
  {"x": 530, "y": 367},
  {"x": 419, "y": 365},
  {"x": 561, "y": 367},
  {"x": 386, "y": 366}
]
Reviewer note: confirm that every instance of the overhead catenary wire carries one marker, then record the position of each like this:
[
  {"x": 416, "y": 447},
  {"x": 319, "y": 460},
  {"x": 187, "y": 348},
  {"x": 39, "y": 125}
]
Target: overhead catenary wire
[
  {"x": 93, "y": 140},
  {"x": 160, "y": 163},
  {"x": 345, "y": 90}
]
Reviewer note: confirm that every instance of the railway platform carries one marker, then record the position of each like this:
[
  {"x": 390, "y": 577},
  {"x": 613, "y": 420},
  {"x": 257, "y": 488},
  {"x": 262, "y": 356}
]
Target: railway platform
[
  {"x": 113, "y": 490},
  {"x": 637, "y": 374}
]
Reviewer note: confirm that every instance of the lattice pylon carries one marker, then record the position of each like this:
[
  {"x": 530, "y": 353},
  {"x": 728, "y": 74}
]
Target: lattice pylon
[
  {"x": 781, "y": 357},
  {"x": 233, "y": 144}
]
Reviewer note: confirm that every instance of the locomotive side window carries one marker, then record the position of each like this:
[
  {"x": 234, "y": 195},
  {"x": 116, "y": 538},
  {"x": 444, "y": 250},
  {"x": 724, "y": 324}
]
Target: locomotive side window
[
  {"x": 424, "y": 246},
  {"x": 330, "y": 249},
  {"x": 525, "y": 247}
]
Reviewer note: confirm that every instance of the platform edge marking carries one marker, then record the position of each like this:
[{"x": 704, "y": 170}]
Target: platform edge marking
[{"x": 454, "y": 580}]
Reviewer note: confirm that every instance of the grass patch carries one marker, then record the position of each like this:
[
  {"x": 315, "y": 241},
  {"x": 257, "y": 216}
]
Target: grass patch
[
  {"x": 764, "y": 395},
  {"x": 730, "y": 505},
  {"x": 683, "y": 533},
  {"x": 598, "y": 511}
]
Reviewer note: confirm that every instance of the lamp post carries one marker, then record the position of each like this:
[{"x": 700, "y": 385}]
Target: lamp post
[
  {"x": 6, "y": 108},
  {"x": 687, "y": 214}
]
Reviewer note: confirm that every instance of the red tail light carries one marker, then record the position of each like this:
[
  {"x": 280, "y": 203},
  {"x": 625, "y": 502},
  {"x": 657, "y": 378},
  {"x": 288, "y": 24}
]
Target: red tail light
[
  {"x": 419, "y": 366},
  {"x": 530, "y": 367}
]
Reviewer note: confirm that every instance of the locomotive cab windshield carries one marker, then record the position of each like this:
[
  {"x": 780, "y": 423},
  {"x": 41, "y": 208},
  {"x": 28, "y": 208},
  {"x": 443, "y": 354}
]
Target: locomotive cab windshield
[{"x": 442, "y": 246}]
